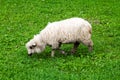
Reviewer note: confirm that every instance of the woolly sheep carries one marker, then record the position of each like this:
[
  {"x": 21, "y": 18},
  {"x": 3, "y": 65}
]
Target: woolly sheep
[{"x": 73, "y": 30}]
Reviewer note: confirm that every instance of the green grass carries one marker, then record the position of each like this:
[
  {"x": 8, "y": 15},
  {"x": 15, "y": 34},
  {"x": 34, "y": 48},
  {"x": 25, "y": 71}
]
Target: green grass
[{"x": 21, "y": 19}]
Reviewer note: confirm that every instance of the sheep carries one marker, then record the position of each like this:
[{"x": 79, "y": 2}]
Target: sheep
[{"x": 73, "y": 30}]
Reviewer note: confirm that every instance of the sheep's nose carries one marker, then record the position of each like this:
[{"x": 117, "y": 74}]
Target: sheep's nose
[{"x": 30, "y": 54}]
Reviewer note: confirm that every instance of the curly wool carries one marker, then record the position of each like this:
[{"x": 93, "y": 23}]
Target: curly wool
[{"x": 66, "y": 31}]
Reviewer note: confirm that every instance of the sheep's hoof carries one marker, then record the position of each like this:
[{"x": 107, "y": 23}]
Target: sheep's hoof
[
  {"x": 52, "y": 54},
  {"x": 90, "y": 49},
  {"x": 63, "y": 52}
]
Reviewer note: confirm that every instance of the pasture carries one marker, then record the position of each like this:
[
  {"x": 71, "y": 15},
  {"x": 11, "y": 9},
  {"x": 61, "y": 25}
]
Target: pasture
[{"x": 21, "y": 19}]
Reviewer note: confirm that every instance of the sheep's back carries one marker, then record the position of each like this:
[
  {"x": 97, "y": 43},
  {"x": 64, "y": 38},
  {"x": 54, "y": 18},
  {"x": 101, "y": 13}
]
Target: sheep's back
[{"x": 68, "y": 30}]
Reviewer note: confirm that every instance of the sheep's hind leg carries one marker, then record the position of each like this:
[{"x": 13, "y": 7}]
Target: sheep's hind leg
[
  {"x": 74, "y": 49},
  {"x": 89, "y": 43},
  {"x": 90, "y": 46}
]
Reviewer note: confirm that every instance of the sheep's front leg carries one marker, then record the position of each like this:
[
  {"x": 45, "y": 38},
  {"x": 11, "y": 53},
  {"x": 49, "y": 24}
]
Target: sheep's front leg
[
  {"x": 57, "y": 46},
  {"x": 61, "y": 51},
  {"x": 52, "y": 53},
  {"x": 54, "y": 47}
]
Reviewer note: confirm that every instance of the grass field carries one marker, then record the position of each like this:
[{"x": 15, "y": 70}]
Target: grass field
[{"x": 21, "y": 19}]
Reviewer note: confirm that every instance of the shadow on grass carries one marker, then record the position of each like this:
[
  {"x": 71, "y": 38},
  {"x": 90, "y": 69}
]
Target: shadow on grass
[{"x": 47, "y": 54}]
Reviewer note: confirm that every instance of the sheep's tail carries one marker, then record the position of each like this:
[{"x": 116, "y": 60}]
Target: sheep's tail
[{"x": 90, "y": 29}]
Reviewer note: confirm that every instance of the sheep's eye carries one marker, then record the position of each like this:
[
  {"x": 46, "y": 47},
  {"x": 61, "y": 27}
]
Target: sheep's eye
[{"x": 30, "y": 47}]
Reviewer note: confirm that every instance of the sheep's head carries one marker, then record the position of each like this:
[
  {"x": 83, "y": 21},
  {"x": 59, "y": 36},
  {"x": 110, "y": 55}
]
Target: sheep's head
[{"x": 34, "y": 46}]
